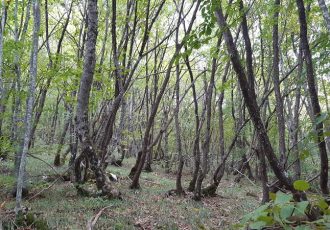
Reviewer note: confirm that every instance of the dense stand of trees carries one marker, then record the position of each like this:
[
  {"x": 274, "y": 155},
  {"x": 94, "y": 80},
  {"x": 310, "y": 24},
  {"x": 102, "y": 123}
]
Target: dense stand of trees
[{"x": 203, "y": 86}]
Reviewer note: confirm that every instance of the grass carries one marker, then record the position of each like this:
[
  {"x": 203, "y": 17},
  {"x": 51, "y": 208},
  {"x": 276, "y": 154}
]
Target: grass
[{"x": 147, "y": 208}]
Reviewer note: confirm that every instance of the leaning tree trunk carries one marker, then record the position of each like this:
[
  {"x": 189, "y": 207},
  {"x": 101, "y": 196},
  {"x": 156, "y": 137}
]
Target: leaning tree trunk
[
  {"x": 316, "y": 109},
  {"x": 29, "y": 107},
  {"x": 251, "y": 103},
  {"x": 102, "y": 180}
]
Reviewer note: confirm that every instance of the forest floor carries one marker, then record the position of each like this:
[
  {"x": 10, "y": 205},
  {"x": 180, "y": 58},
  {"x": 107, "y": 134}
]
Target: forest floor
[{"x": 147, "y": 208}]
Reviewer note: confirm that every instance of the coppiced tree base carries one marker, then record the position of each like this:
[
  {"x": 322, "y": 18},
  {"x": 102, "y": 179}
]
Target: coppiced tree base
[{"x": 210, "y": 190}]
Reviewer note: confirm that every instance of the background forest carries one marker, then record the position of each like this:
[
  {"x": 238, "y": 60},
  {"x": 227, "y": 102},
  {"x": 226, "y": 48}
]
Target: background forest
[{"x": 155, "y": 114}]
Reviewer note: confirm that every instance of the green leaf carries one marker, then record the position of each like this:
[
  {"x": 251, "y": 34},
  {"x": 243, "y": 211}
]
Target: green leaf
[
  {"x": 272, "y": 196},
  {"x": 286, "y": 211},
  {"x": 301, "y": 185},
  {"x": 300, "y": 208},
  {"x": 282, "y": 198},
  {"x": 267, "y": 219},
  {"x": 257, "y": 225},
  {"x": 323, "y": 204}
]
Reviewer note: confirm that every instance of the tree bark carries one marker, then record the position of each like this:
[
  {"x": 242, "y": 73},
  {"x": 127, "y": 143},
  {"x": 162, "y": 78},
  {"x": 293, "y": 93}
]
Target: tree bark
[
  {"x": 251, "y": 103},
  {"x": 207, "y": 140},
  {"x": 29, "y": 106},
  {"x": 2, "y": 88},
  {"x": 102, "y": 180},
  {"x": 179, "y": 189},
  {"x": 277, "y": 89},
  {"x": 316, "y": 109}
]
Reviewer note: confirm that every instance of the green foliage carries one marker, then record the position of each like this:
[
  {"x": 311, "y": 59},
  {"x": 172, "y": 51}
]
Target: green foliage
[
  {"x": 301, "y": 185},
  {"x": 5, "y": 147},
  {"x": 6, "y": 181},
  {"x": 283, "y": 212},
  {"x": 27, "y": 221}
]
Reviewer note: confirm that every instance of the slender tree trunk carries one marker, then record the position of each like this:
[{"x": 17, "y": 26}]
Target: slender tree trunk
[
  {"x": 295, "y": 122},
  {"x": 44, "y": 89},
  {"x": 220, "y": 170},
  {"x": 54, "y": 121},
  {"x": 179, "y": 189},
  {"x": 316, "y": 109},
  {"x": 29, "y": 106},
  {"x": 277, "y": 89},
  {"x": 122, "y": 127},
  {"x": 251, "y": 103},
  {"x": 263, "y": 173},
  {"x": 2, "y": 88},
  {"x": 206, "y": 143},
  {"x": 135, "y": 182},
  {"x": 196, "y": 149},
  {"x": 19, "y": 37},
  {"x": 57, "y": 160}
]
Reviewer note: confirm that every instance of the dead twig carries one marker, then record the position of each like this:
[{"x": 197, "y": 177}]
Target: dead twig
[{"x": 91, "y": 223}]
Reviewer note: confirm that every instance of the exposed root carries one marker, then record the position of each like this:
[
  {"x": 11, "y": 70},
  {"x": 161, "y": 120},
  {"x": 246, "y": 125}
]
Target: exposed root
[
  {"x": 210, "y": 190},
  {"x": 175, "y": 192},
  {"x": 25, "y": 192},
  {"x": 107, "y": 191}
]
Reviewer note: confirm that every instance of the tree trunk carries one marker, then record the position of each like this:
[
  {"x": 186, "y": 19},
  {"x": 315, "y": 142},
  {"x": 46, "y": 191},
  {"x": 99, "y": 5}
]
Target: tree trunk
[
  {"x": 179, "y": 189},
  {"x": 316, "y": 109},
  {"x": 135, "y": 182},
  {"x": 44, "y": 89},
  {"x": 29, "y": 107},
  {"x": 277, "y": 89},
  {"x": 220, "y": 171},
  {"x": 251, "y": 103},
  {"x": 2, "y": 88},
  {"x": 196, "y": 149},
  {"x": 102, "y": 180},
  {"x": 206, "y": 143},
  {"x": 295, "y": 121},
  {"x": 57, "y": 160}
]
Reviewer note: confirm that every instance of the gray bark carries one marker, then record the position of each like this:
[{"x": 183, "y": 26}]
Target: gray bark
[{"x": 29, "y": 106}]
